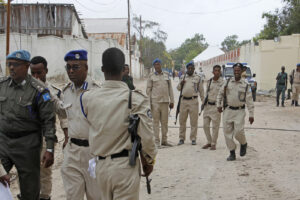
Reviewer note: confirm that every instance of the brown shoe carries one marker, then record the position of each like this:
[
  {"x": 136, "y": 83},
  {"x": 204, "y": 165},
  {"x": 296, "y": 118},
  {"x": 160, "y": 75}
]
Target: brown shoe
[
  {"x": 213, "y": 147},
  {"x": 167, "y": 144},
  {"x": 206, "y": 146}
]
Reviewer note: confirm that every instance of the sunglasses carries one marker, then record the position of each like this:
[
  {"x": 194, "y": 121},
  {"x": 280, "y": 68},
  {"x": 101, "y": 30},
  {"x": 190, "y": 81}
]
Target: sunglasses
[
  {"x": 14, "y": 64},
  {"x": 74, "y": 67}
]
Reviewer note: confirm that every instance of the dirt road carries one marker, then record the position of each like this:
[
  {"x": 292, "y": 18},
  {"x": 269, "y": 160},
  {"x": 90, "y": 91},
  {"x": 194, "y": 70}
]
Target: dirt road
[{"x": 270, "y": 170}]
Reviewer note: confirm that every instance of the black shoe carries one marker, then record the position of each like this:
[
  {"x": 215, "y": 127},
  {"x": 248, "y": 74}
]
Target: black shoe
[
  {"x": 293, "y": 102},
  {"x": 231, "y": 156},
  {"x": 282, "y": 104},
  {"x": 181, "y": 142},
  {"x": 193, "y": 142},
  {"x": 277, "y": 103},
  {"x": 296, "y": 103},
  {"x": 243, "y": 149}
]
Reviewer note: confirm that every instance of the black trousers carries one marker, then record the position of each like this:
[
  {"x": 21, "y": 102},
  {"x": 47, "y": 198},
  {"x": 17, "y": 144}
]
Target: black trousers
[{"x": 24, "y": 154}]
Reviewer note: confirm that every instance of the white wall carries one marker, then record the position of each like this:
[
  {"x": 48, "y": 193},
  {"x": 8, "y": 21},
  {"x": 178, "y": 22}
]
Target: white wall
[{"x": 54, "y": 49}]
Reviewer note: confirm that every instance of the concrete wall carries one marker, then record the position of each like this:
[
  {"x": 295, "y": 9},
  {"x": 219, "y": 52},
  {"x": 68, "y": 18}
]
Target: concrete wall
[
  {"x": 267, "y": 58},
  {"x": 54, "y": 49}
]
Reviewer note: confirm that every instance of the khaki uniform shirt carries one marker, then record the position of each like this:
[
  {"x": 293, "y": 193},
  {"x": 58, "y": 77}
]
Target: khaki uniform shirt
[
  {"x": 26, "y": 106},
  {"x": 2, "y": 170},
  {"x": 192, "y": 87},
  {"x": 236, "y": 97},
  {"x": 214, "y": 89},
  {"x": 159, "y": 88},
  {"x": 296, "y": 76},
  {"x": 57, "y": 96},
  {"x": 78, "y": 126},
  {"x": 107, "y": 113}
]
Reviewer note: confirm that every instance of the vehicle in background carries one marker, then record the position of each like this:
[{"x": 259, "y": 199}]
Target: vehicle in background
[{"x": 250, "y": 78}]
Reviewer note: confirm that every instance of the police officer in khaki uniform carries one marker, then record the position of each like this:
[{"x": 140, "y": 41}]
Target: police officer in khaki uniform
[
  {"x": 39, "y": 70},
  {"x": 26, "y": 114},
  {"x": 192, "y": 86},
  {"x": 107, "y": 110},
  {"x": 237, "y": 94},
  {"x": 295, "y": 76},
  {"x": 160, "y": 91},
  {"x": 211, "y": 114},
  {"x": 77, "y": 181}
]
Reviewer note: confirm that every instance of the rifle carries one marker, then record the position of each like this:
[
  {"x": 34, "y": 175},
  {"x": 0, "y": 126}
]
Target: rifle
[
  {"x": 206, "y": 98},
  {"x": 225, "y": 95},
  {"x": 137, "y": 146},
  {"x": 179, "y": 100}
]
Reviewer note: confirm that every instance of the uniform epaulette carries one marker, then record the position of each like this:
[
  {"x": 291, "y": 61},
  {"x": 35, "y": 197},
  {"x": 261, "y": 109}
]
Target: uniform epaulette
[
  {"x": 55, "y": 87},
  {"x": 96, "y": 83},
  {"x": 66, "y": 86},
  {"x": 3, "y": 79},
  {"x": 37, "y": 84}
]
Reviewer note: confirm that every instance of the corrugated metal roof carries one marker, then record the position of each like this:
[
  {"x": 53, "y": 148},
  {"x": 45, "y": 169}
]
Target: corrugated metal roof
[{"x": 106, "y": 25}]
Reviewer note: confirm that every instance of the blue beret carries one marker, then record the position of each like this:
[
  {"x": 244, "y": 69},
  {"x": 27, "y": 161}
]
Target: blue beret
[
  {"x": 190, "y": 63},
  {"x": 76, "y": 55},
  {"x": 298, "y": 65},
  {"x": 157, "y": 60},
  {"x": 19, "y": 55}
]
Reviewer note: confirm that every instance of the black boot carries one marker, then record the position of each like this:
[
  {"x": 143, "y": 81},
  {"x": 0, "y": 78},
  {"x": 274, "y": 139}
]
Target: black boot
[
  {"x": 296, "y": 103},
  {"x": 293, "y": 102},
  {"x": 282, "y": 104},
  {"x": 231, "y": 156},
  {"x": 243, "y": 149}
]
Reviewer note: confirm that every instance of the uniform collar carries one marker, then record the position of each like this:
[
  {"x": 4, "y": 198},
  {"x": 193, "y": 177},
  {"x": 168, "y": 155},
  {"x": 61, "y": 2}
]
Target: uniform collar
[
  {"x": 156, "y": 73},
  {"x": 240, "y": 81},
  {"x": 85, "y": 86},
  {"x": 114, "y": 84},
  {"x": 21, "y": 85},
  {"x": 219, "y": 79}
]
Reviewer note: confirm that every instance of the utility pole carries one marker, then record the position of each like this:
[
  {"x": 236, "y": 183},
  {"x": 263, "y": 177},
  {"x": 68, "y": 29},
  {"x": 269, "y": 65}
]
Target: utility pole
[
  {"x": 7, "y": 31},
  {"x": 141, "y": 46},
  {"x": 129, "y": 39}
]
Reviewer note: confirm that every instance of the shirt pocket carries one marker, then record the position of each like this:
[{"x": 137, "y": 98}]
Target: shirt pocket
[
  {"x": 195, "y": 85},
  {"x": 2, "y": 103},
  {"x": 242, "y": 94},
  {"x": 25, "y": 110}
]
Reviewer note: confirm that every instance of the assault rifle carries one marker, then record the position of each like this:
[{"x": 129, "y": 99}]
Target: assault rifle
[
  {"x": 179, "y": 100},
  {"x": 206, "y": 98}
]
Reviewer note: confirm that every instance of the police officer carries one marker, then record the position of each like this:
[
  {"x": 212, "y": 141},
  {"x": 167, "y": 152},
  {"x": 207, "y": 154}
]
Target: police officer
[
  {"x": 127, "y": 78},
  {"x": 191, "y": 87},
  {"x": 107, "y": 110},
  {"x": 160, "y": 91},
  {"x": 211, "y": 114},
  {"x": 26, "y": 113},
  {"x": 236, "y": 93},
  {"x": 77, "y": 181},
  {"x": 39, "y": 70},
  {"x": 281, "y": 86},
  {"x": 295, "y": 76}
]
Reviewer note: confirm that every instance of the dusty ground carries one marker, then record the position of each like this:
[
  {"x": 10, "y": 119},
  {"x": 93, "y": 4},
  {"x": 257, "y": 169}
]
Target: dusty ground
[{"x": 270, "y": 170}]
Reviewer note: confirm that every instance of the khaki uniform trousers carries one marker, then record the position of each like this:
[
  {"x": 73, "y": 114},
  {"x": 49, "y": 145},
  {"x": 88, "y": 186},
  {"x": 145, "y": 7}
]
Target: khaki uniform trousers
[
  {"x": 46, "y": 177},
  {"x": 160, "y": 115},
  {"x": 211, "y": 115},
  {"x": 233, "y": 126},
  {"x": 296, "y": 91},
  {"x": 76, "y": 178},
  {"x": 118, "y": 180},
  {"x": 191, "y": 108}
]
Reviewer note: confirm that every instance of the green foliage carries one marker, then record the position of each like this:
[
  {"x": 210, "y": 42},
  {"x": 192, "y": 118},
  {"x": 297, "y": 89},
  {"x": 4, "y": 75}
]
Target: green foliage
[
  {"x": 281, "y": 22},
  {"x": 231, "y": 42},
  {"x": 188, "y": 50}
]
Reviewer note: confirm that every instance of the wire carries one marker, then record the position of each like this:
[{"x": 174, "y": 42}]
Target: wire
[
  {"x": 98, "y": 11},
  {"x": 198, "y": 12},
  {"x": 103, "y": 4}
]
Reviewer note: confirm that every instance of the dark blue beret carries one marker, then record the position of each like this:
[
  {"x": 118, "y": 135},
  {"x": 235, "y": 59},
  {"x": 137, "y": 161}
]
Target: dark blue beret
[
  {"x": 190, "y": 63},
  {"x": 157, "y": 60},
  {"x": 19, "y": 55},
  {"x": 76, "y": 55}
]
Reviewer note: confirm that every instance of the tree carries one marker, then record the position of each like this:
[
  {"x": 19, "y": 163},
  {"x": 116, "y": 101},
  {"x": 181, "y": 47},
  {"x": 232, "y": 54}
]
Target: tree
[
  {"x": 230, "y": 43},
  {"x": 188, "y": 50}
]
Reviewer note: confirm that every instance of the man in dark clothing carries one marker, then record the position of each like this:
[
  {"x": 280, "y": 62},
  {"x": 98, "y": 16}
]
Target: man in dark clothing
[
  {"x": 281, "y": 85},
  {"x": 127, "y": 78}
]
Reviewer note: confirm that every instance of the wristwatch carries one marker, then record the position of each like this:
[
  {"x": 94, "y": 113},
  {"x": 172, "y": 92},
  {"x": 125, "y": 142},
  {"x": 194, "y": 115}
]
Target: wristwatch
[{"x": 50, "y": 150}]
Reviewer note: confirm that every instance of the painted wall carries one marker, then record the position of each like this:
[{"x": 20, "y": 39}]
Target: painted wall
[{"x": 54, "y": 49}]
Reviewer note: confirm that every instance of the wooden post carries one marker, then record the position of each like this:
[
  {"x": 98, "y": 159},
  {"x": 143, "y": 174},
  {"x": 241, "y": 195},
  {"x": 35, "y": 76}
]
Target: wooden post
[
  {"x": 7, "y": 31},
  {"x": 129, "y": 39}
]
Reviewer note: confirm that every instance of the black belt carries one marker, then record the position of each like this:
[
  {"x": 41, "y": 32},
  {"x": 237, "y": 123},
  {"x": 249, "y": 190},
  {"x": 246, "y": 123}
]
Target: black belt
[
  {"x": 281, "y": 83},
  {"x": 237, "y": 108},
  {"x": 190, "y": 98},
  {"x": 78, "y": 142},
  {"x": 123, "y": 153},
  {"x": 18, "y": 134},
  {"x": 212, "y": 103}
]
